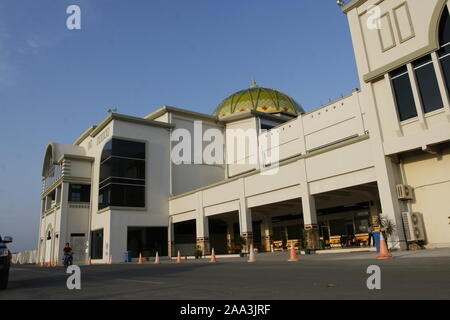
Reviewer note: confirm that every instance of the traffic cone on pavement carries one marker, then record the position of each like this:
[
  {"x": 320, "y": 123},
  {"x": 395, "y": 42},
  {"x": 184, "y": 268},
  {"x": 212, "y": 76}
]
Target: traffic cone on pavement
[
  {"x": 89, "y": 262},
  {"x": 140, "y": 258},
  {"x": 293, "y": 255},
  {"x": 179, "y": 257},
  {"x": 157, "y": 258},
  {"x": 213, "y": 256},
  {"x": 251, "y": 257},
  {"x": 384, "y": 251},
  {"x": 49, "y": 264}
]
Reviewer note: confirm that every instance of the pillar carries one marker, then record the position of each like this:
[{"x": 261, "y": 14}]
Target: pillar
[
  {"x": 310, "y": 222},
  {"x": 171, "y": 239},
  {"x": 203, "y": 234},
  {"x": 245, "y": 225},
  {"x": 202, "y": 227},
  {"x": 266, "y": 233},
  {"x": 230, "y": 236}
]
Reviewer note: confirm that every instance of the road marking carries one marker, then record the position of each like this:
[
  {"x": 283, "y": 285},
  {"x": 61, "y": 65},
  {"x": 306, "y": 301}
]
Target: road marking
[{"x": 141, "y": 281}]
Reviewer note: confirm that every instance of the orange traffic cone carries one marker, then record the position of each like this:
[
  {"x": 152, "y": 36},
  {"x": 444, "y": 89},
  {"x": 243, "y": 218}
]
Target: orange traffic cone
[
  {"x": 213, "y": 256},
  {"x": 89, "y": 262},
  {"x": 140, "y": 258},
  {"x": 384, "y": 251},
  {"x": 179, "y": 257},
  {"x": 49, "y": 264},
  {"x": 157, "y": 258},
  {"x": 293, "y": 255},
  {"x": 251, "y": 257}
]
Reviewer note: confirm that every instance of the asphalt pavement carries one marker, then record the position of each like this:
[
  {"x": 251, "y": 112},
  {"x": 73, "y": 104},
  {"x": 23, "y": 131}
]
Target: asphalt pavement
[{"x": 410, "y": 275}]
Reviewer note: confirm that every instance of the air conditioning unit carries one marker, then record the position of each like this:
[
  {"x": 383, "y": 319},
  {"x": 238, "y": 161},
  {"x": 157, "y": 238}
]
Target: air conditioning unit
[
  {"x": 404, "y": 192},
  {"x": 414, "y": 227}
]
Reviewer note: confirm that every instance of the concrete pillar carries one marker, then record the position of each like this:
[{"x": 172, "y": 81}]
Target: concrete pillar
[
  {"x": 374, "y": 211},
  {"x": 310, "y": 222},
  {"x": 230, "y": 236},
  {"x": 245, "y": 225},
  {"x": 266, "y": 233},
  {"x": 390, "y": 206},
  {"x": 202, "y": 227},
  {"x": 170, "y": 238}
]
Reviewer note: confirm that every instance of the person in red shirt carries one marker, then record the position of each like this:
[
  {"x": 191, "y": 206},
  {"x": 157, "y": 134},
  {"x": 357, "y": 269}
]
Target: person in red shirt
[
  {"x": 67, "y": 249},
  {"x": 67, "y": 255}
]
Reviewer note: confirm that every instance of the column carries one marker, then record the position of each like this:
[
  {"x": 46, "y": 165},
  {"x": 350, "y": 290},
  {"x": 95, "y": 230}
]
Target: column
[
  {"x": 310, "y": 222},
  {"x": 230, "y": 236},
  {"x": 171, "y": 238},
  {"x": 245, "y": 225},
  {"x": 202, "y": 227},
  {"x": 266, "y": 233}
]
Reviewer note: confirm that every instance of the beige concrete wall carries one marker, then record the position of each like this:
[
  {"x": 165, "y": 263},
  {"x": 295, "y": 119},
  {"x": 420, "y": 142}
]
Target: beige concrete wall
[
  {"x": 234, "y": 167},
  {"x": 429, "y": 175},
  {"x": 187, "y": 177}
]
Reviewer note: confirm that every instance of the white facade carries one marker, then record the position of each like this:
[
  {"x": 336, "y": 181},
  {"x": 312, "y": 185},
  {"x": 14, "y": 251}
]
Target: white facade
[{"x": 351, "y": 152}]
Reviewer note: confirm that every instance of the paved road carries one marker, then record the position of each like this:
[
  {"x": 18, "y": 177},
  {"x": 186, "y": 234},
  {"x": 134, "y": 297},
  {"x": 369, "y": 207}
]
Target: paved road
[{"x": 411, "y": 275}]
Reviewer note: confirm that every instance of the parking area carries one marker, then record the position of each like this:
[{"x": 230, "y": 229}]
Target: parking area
[{"x": 410, "y": 275}]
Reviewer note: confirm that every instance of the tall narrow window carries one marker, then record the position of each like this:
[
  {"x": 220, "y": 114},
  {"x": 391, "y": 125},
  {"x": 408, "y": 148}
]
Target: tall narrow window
[
  {"x": 444, "y": 51},
  {"x": 404, "y": 98},
  {"x": 122, "y": 174},
  {"x": 427, "y": 83},
  {"x": 79, "y": 193}
]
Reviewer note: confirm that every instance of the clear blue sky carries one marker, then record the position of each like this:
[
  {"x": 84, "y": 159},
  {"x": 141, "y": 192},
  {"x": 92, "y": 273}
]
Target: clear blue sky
[{"x": 140, "y": 55}]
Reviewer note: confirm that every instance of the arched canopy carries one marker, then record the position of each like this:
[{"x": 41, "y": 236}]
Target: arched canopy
[{"x": 54, "y": 152}]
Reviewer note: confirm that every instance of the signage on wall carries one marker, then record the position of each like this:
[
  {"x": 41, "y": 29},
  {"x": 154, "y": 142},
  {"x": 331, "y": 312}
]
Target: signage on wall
[{"x": 103, "y": 136}]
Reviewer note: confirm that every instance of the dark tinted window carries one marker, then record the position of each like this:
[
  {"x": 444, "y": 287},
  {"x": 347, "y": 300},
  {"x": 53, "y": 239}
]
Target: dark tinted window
[
  {"x": 444, "y": 28},
  {"x": 97, "y": 244},
  {"x": 428, "y": 86},
  {"x": 122, "y": 174},
  {"x": 128, "y": 149},
  {"x": 79, "y": 193},
  {"x": 444, "y": 52},
  {"x": 404, "y": 98}
]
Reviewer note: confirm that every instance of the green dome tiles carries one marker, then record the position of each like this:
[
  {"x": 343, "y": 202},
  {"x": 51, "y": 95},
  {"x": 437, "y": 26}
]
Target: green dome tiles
[{"x": 260, "y": 99}]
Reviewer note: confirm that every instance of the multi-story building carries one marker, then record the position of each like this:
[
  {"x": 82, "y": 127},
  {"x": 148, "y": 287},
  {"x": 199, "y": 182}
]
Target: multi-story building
[{"x": 148, "y": 184}]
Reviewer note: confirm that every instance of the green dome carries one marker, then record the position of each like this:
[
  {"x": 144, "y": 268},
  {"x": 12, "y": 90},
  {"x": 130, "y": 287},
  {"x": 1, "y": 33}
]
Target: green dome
[{"x": 259, "y": 99}]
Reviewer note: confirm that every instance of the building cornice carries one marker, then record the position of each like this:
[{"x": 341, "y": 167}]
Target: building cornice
[
  {"x": 252, "y": 113},
  {"x": 165, "y": 109},
  {"x": 125, "y": 118},
  {"x": 352, "y": 5},
  {"x": 84, "y": 135}
]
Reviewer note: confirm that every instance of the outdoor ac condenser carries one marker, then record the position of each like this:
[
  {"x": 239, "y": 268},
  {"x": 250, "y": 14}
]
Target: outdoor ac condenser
[
  {"x": 414, "y": 228},
  {"x": 404, "y": 192}
]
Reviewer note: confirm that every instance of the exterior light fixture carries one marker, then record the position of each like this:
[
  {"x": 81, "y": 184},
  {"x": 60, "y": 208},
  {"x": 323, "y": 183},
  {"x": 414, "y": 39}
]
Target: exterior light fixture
[{"x": 340, "y": 3}]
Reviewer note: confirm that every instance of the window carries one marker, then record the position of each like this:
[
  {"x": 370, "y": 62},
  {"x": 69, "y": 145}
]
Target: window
[
  {"x": 444, "y": 51},
  {"x": 97, "y": 244},
  {"x": 427, "y": 83},
  {"x": 404, "y": 98},
  {"x": 122, "y": 174},
  {"x": 79, "y": 193}
]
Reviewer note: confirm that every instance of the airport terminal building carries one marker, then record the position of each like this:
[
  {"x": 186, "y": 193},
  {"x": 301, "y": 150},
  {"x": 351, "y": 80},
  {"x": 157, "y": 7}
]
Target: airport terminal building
[{"x": 317, "y": 179}]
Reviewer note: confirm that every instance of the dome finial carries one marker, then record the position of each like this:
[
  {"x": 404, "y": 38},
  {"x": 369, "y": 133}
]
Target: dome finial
[{"x": 254, "y": 85}]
